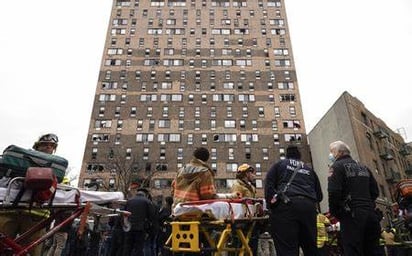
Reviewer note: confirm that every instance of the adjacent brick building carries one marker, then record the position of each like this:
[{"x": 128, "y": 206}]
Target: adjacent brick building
[{"x": 371, "y": 141}]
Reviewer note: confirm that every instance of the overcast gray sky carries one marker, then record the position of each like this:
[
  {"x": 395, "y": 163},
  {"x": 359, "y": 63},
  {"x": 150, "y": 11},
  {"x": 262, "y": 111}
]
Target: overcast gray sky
[{"x": 51, "y": 53}]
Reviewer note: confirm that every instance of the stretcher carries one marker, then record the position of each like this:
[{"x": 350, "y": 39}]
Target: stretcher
[
  {"x": 68, "y": 204},
  {"x": 216, "y": 226}
]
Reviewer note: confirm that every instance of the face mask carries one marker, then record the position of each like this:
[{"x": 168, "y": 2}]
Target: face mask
[{"x": 331, "y": 158}]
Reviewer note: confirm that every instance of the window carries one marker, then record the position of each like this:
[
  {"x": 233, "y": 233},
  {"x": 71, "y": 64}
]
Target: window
[
  {"x": 224, "y": 138},
  {"x": 204, "y": 139},
  {"x": 117, "y": 111},
  {"x": 162, "y": 183},
  {"x": 162, "y": 154},
  {"x": 277, "y": 22},
  {"x": 274, "y": 3},
  {"x": 291, "y": 124},
  {"x": 277, "y": 111},
  {"x": 107, "y": 97},
  {"x": 164, "y": 123},
  {"x": 265, "y": 153},
  {"x": 119, "y": 124},
  {"x": 278, "y": 31},
  {"x": 244, "y": 112},
  {"x": 223, "y": 97},
  {"x": 261, "y": 111},
  {"x": 102, "y": 124},
  {"x": 231, "y": 154},
  {"x": 213, "y": 154},
  {"x": 157, "y": 3},
  {"x": 190, "y": 139},
  {"x": 181, "y": 124},
  {"x": 165, "y": 111},
  {"x": 293, "y": 137},
  {"x": 249, "y": 138},
  {"x": 285, "y": 85},
  {"x": 230, "y": 123},
  {"x": 292, "y": 110},
  {"x": 282, "y": 63},
  {"x": 144, "y": 137},
  {"x": 274, "y": 125},
  {"x": 94, "y": 153},
  {"x": 254, "y": 124},
  {"x": 241, "y": 31},
  {"x": 276, "y": 139},
  {"x": 179, "y": 153},
  {"x": 281, "y": 52},
  {"x": 190, "y": 98},
  {"x": 164, "y": 137},
  {"x": 212, "y": 112},
  {"x": 149, "y": 112},
  {"x": 101, "y": 111},
  {"x": 197, "y": 111},
  {"x": 151, "y": 124},
  {"x": 139, "y": 124},
  {"x": 243, "y": 62},
  {"x": 287, "y": 97},
  {"x": 248, "y": 153},
  {"x": 128, "y": 153},
  {"x": 231, "y": 167},
  {"x": 181, "y": 112},
  {"x": 229, "y": 112},
  {"x": 212, "y": 124},
  {"x": 242, "y": 123}
]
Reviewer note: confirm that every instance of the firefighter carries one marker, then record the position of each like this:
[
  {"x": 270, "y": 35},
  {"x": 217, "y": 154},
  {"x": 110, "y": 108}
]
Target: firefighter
[
  {"x": 13, "y": 223},
  {"x": 196, "y": 180},
  {"x": 322, "y": 222},
  {"x": 245, "y": 181}
]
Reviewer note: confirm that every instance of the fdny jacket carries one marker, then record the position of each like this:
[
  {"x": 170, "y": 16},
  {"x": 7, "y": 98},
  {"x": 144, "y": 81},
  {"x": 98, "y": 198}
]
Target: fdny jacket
[
  {"x": 306, "y": 182},
  {"x": 349, "y": 179},
  {"x": 194, "y": 181},
  {"x": 245, "y": 188}
]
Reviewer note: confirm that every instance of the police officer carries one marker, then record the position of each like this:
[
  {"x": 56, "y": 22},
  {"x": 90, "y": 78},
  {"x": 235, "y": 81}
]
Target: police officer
[
  {"x": 352, "y": 192},
  {"x": 293, "y": 212}
]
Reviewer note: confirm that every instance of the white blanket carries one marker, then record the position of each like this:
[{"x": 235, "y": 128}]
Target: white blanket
[
  {"x": 217, "y": 210},
  {"x": 69, "y": 196}
]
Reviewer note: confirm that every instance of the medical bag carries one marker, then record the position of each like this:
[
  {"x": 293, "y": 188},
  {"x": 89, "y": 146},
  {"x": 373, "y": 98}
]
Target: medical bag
[
  {"x": 15, "y": 161},
  {"x": 42, "y": 182}
]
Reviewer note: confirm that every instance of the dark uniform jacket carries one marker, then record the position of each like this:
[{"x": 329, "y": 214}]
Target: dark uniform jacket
[
  {"x": 306, "y": 182},
  {"x": 349, "y": 179},
  {"x": 143, "y": 213}
]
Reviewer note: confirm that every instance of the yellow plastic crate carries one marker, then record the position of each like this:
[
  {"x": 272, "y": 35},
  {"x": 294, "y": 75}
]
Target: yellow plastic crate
[{"x": 185, "y": 236}]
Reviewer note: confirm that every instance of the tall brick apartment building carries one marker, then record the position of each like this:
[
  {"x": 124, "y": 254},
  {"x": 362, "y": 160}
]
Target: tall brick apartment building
[{"x": 180, "y": 74}]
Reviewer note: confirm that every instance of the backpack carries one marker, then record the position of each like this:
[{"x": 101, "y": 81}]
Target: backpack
[{"x": 15, "y": 161}]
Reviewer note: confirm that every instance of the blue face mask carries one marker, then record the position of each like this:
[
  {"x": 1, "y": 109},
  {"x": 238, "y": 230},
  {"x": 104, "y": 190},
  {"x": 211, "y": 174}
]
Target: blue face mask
[{"x": 331, "y": 158}]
